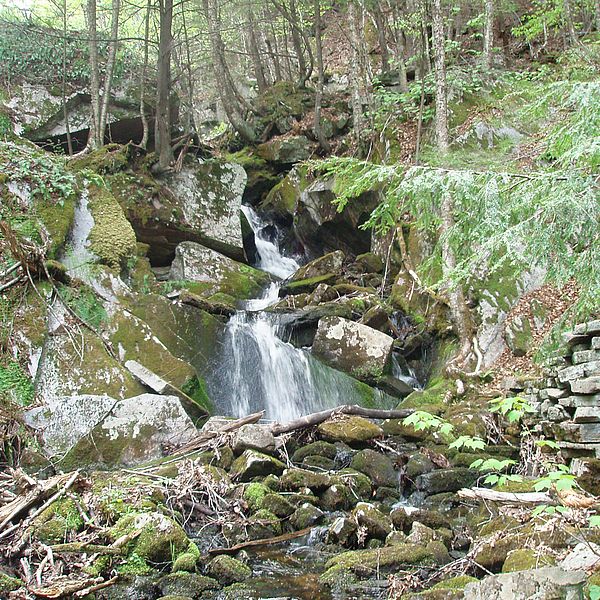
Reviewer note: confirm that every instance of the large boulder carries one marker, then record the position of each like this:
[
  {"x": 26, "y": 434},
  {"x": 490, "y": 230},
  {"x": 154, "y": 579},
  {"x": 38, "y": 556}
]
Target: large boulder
[
  {"x": 549, "y": 583},
  {"x": 357, "y": 349},
  {"x": 215, "y": 273},
  {"x": 329, "y": 264},
  {"x": 92, "y": 430},
  {"x": 286, "y": 151},
  {"x": 349, "y": 429},
  {"x": 209, "y": 197}
]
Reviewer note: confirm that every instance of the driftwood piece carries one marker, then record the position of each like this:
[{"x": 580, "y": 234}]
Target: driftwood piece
[
  {"x": 347, "y": 409},
  {"x": 67, "y": 588},
  {"x": 478, "y": 493},
  {"x": 263, "y": 542}
]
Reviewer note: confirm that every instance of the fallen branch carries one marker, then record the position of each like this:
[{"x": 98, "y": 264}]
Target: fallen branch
[
  {"x": 66, "y": 588},
  {"x": 347, "y": 409},
  {"x": 264, "y": 542},
  {"x": 201, "y": 440},
  {"x": 86, "y": 548},
  {"x": 12, "y": 282},
  {"x": 506, "y": 497}
]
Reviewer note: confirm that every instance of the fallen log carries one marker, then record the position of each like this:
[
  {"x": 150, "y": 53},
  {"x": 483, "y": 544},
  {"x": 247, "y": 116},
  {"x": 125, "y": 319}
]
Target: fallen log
[
  {"x": 346, "y": 409},
  {"x": 263, "y": 542},
  {"x": 478, "y": 493}
]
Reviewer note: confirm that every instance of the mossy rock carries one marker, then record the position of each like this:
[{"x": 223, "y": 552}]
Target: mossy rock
[
  {"x": 378, "y": 467},
  {"x": 161, "y": 538},
  {"x": 365, "y": 563},
  {"x": 278, "y": 505},
  {"x": 186, "y": 584},
  {"x": 109, "y": 159},
  {"x": 337, "y": 497},
  {"x": 112, "y": 238},
  {"x": 60, "y": 520},
  {"x": 305, "y": 286},
  {"x": 377, "y": 524},
  {"x": 9, "y": 584},
  {"x": 255, "y": 464},
  {"x": 319, "y": 448},
  {"x": 349, "y": 429},
  {"x": 306, "y": 515},
  {"x": 228, "y": 570},
  {"x": 318, "y": 463},
  {"x": 254, "y": 494},
  {"x": 264, "y": 524},
  {"x": 523, "y": 559},
  {"x": 299, "y": 479},
  {"x": 187, "y": 560},
  {"x": 359, "y": 483},
  {"x": 281, "y": 200}
]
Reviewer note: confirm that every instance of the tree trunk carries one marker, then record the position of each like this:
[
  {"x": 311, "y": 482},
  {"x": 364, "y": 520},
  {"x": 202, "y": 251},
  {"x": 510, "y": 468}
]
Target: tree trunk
[
  {"x": 400, "y": 49},
  {"x": 110, "y": 67},
  {"x": 357, "y": 116},
  {"x": 94, "y": 133},
  {"x": 143, "y": 117},
  {"x": 321, "y": 77},
  {"x": 568, "y": 22},
  {"x": 488, "y": 34},
  {"x": 162, "y": 128},
  {"x": 441, "y": 100},
  {"x": 64, "y": 79},
  {"x": 381, "y": 37},
  {"x": 259, "y": 72}
]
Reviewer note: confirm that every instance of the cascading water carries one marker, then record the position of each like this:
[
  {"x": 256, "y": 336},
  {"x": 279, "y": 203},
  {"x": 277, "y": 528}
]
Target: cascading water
[{"x": 258, "y": 370}]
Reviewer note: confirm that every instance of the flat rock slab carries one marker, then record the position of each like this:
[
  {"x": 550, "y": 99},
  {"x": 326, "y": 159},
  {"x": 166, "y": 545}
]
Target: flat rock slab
[
  {"x": 589, "y": 385},
  {"x": 351, "y": 430},
  {"x": 550, "y": 583}
]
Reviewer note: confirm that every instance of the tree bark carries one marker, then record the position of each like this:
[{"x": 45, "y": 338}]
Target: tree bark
[
  {"x": 162, "y": 127},
  {"x": 321, "y": 77},
  {"x": 488, "y": 34},
  {"x": 381, "y": 37},
  {"x": 110, "y": 67},
  {"x": 441, "y": 100},
  {"x": 94, "y": 132},
  {"x": 568, "y": 22},
  {"x": 64, "y": 79},
  {"x": 259, "y": 72},
  {"x": 143, "y": 117},
  {"x": 400, "y": 49}
]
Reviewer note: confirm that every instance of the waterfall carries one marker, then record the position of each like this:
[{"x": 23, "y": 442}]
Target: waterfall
[{"x": 258, "y": 370}]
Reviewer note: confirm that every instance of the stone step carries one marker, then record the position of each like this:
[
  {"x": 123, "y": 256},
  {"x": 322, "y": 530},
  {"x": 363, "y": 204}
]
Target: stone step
[
  {"x": 590, "y": 385},
  {"x": 587, "y": 369},
  {"x": 587, "y": 414},
  {"x": 595, "y": 345},
  {"x": 591, "y": 327},
  {"x": 578, "y": 448},
  {"x": 585, "y": 356},
  {"x": 576, "y": 401}
]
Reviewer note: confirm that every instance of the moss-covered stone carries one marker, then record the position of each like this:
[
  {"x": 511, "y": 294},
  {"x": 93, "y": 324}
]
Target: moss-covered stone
[
  {"x": 376, "y": 523},
  {"x": 299, "y": 479},
  {"x": 187, "y": 585},
  {"x": 349, "y": 429},
  {"x": 228, "y": 570},
  {"x": 9, "y": 584},
  {"x": 278, "y": 505},
  {"x": 523, "y": 559},
  {"x": 306, "y": 515},
  {"x": 161, "y": 538},
  {"x": 255, "y": 464},
  {"x": 337, "y": 497},
  {"x": 60, "y": 520},
  {"x": 112, "y": 238},
  {"x": 358, "y": 483},
  {"x": 365, "y": 563},
  {"x": 378, "y": 467},
  {"x": 320, "y": 448},
  {"x": 305, "y": 286},
  {"x": 254, "y": 494}
]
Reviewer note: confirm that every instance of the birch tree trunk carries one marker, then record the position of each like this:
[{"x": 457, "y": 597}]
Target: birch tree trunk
[
  {"x": 321, "y": 77},
  {"x": 92, "y": 25},
  {"x": 64, "y": 79},
  {"x": 143, "y": 117},
  {"x": 488, "y": 34},
  {"x": 110, "y": 67},
  {"x": 357, "y": 116},
  {"x": 441, "y": 100}
]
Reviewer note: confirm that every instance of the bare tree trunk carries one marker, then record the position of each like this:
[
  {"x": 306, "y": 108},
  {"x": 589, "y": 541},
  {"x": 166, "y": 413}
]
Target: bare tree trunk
[
  {"x": 162, "y": 127},
  {"x": 441, "y": 100},
  {"x": 568, "y": 22},
  {"x": 64, "y": 79},
  {"x": 321, "y": 77},
  {"x": 110, "y": 67},
  {"x": 143, "y": 117},
  {"x": 597, "y": 14},
  {"x": 224, "y": 82},
  {"x": 259, "y": 71},
  {"x": 94, "y": 132},
  {"x": 357, "y": 116},
  {"x": 381, "y": 37},
  {"x": 459, "y": 310},
  {"x": 400, "y": 61},
  {"x": 488, "y": 34}
]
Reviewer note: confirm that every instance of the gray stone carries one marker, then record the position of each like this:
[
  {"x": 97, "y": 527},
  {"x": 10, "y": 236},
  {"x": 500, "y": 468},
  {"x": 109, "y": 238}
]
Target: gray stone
[
  {"x": 579, "y": 400},
  {"x": 591, "y": 327},
  {"x": 209, "y": 198},
  {"x": 361, "y": 351},
  {"x": 519, "y": 335},
  {"x": 330, "y": 263},
  {"x": 571, "y": 373},
  {"x": 591, "y": 385},
  {"x": 595, "y": 343},
  {"x": 585, "y": 356},
  {"x": 556, "y": 393},
  {"x": 100, "y": 429},
  {"x": 286, "y": 151},
  {"x": 549, "y": 583},
  {"x": 377, "y": 524},
  {"x": 378, "y": 467},
  {"x": 589, "y": 432},
  {"x": 445, "y": 480},
  {"x": 254, "y": 437},
  {"x": 342, "y": 531},
  {"x": 254, "y": 464},
  {"x": 585, "y": 557},
  {"x": 557, "y": 414},
  {"x": 587, "y": 415}
]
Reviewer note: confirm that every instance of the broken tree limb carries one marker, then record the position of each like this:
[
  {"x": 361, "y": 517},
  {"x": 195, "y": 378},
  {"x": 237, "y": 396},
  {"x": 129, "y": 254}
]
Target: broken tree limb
[
  {"x": 506, "y": 497},
  {"x": 264, "y": 542},
  {"x": 85, "y": 548},
  {"x": 347, "y": 409},
  {"x": 201, "y": 440}
]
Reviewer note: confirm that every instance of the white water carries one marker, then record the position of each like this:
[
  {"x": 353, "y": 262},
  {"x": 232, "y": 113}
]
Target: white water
[
  {"x": 257, "y": 370},
  {"x": 77, "y": 257}
]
